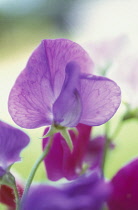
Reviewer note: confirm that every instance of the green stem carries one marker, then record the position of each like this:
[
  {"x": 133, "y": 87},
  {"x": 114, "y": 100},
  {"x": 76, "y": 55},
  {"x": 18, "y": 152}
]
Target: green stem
[
  {"x": 34, "y": 169},
  {"x": 117, "y": 130},
  {"x": 106, "y": 145},
  {"x": 108, "y": 141},
  {"x": 17, "y": 199}
]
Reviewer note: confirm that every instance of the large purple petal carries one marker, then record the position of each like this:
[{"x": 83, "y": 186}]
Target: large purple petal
[
  {"x": 67, "y": 108},
  {"x": 40, "y": 83},
  {"x": 87, "y": 192},
  {"x": 125, "y": 188},
  {"x": 60, "y": 161},
  {"x": 100, "y": 99},
  {"x": 12, "y": 141}
]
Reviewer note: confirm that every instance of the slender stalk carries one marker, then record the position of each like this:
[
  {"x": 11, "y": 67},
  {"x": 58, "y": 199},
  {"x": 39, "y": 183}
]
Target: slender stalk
[
  {"x": 106, "y": 145},
  {"x": 34, "y": 169},
  {"x": 17, "y": 199},
  {"x": 108, "y": 141},
  {"x": 117, "y": 130}
]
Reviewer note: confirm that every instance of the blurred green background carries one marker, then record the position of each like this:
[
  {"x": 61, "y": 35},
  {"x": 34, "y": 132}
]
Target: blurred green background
[{"x": 23, "y": 24}]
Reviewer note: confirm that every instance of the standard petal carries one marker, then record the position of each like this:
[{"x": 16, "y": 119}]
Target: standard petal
[
  {"x": 31, "y": 98},
  {"x": 125, "y": 188},
  {"x": 67, "y": 164},
  {"x": 12, "y": 141},
  {"x": 59, "y": 53},
  {"x": 68, "y": 107},
  {"x": 38, "y": 86},
  {"x": 101, "y": 98}
]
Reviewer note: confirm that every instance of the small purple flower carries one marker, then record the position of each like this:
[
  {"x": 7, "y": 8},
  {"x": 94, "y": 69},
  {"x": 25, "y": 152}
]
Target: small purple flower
[
  {"x": 66, "y": 163},
  {"x": 87, "y": 192},
  {"x": 95, "y": 150},
  {"x": 56, "y": 88},
  {"x": 125, "y": 188},
  {"x": 12, "y": 141}
]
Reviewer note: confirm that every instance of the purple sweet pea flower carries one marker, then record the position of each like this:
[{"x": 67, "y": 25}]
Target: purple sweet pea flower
[
  {"x": 88, "y": 192},
  {"x": 125, "y": 188},
  {"x": 12, "y": 141},
  {"x": 56, "y": 88},
  {"x": 60, "y": 161}
]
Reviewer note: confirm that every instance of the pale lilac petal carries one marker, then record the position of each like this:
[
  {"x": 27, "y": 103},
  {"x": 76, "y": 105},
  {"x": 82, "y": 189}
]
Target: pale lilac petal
[
  {"x": 104, "y": 52},
  {"x": 85, "y": 193},
  {"x": 101, "y": 98},
  {"x": 38, "y": 86},
  {"x": 68, "y": 107},
  {"x": 125, "y": 188},
  {"x": 127, "y": 67},
  {"x": 12, "y": 141},
  {"x": 66, "y": 163}
]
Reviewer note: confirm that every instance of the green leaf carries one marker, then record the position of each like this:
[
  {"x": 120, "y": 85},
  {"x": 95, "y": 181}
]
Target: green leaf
[
  {"x": 67, "y": 138},
  {"x": 64, "y": 132}
]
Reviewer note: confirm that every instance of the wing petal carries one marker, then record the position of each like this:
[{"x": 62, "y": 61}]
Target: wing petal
[{"x": 101, "y": 98}]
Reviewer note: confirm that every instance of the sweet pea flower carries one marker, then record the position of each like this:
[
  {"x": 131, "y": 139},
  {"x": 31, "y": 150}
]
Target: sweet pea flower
[
  {"x": 56, "y": 88},
  {"x": 66, "y": 163},
  {"x": 125, "y": 188},
  {"x": 87, "y": 192},
  {"x": 12, "y": 141}
]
